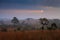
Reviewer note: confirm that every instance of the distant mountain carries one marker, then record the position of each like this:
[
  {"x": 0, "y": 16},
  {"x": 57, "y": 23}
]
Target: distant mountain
[{"x": 34, "y": 22}]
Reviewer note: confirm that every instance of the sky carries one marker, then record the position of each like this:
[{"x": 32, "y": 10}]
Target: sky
[{"x": 36, "y": 9}]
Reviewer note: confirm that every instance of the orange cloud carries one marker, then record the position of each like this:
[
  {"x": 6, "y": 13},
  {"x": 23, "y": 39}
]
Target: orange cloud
[
  {"x": 37, "y": 11},
  {"x": 21, "y": 11}
]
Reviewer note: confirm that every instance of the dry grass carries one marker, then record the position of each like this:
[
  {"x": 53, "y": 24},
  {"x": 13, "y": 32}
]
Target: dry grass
[{"x": 31, "y": 35}]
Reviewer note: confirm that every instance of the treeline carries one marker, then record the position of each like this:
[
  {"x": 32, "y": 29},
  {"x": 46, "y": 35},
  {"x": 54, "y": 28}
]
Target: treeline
[{"x": 22, "y": 27}]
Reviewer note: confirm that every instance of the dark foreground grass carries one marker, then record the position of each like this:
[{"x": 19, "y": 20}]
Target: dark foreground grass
[{"x": 31, "y": 35}]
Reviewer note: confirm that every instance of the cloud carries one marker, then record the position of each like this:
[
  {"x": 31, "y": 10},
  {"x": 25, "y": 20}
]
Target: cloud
[
  {"x": 21, "y": 11},
  {"x": 40, "y": 2},
  {"x": 18, "y": 4},
  {"x": 21, "y": 7}
]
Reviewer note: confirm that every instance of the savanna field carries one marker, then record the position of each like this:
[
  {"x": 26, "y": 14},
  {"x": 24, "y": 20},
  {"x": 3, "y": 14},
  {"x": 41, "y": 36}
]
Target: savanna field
[
  {"x": 31, "y": 35},
  {"x": 26, "y": 31},
  {"x": 29, "y": 19}
]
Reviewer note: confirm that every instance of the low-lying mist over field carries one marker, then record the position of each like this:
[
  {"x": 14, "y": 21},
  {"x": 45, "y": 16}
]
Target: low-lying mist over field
[{"x": 30, "y": 24}]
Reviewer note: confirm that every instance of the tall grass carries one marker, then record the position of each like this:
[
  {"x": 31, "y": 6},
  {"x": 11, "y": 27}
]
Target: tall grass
[{"x": 31, "y": 35}]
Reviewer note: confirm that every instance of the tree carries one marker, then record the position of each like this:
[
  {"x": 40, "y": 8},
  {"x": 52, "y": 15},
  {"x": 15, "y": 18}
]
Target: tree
[
  {"x": 44, "y": 22},
  {"x": 15, "y": 21},
  {"x": 53, "y": 26}
]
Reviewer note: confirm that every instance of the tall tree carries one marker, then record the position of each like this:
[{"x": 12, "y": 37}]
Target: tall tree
[
  {"x": 44, "y": 22},
  {"x": 15, "y": 21},
  {"x": 53, "y": 26}
]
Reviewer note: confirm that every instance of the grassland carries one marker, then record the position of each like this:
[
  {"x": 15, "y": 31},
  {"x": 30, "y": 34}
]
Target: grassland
[{"x": 31, "y": 35}]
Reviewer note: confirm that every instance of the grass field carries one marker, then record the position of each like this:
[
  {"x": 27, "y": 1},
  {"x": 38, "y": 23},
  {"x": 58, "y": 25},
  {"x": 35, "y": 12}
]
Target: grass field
[{"x": 31, "y": 35}]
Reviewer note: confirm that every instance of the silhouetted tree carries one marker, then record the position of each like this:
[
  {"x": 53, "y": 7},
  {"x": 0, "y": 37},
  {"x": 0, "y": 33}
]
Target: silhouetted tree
[
  {"x": 15, "y": 21},
  {"x": 53, "y": 26},
  {"x": 44, "y": 22}
]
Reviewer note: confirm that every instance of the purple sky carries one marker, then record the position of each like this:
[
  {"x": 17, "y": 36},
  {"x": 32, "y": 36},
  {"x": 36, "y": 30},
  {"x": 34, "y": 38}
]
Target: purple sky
[{"x": 30, "y": 9}]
